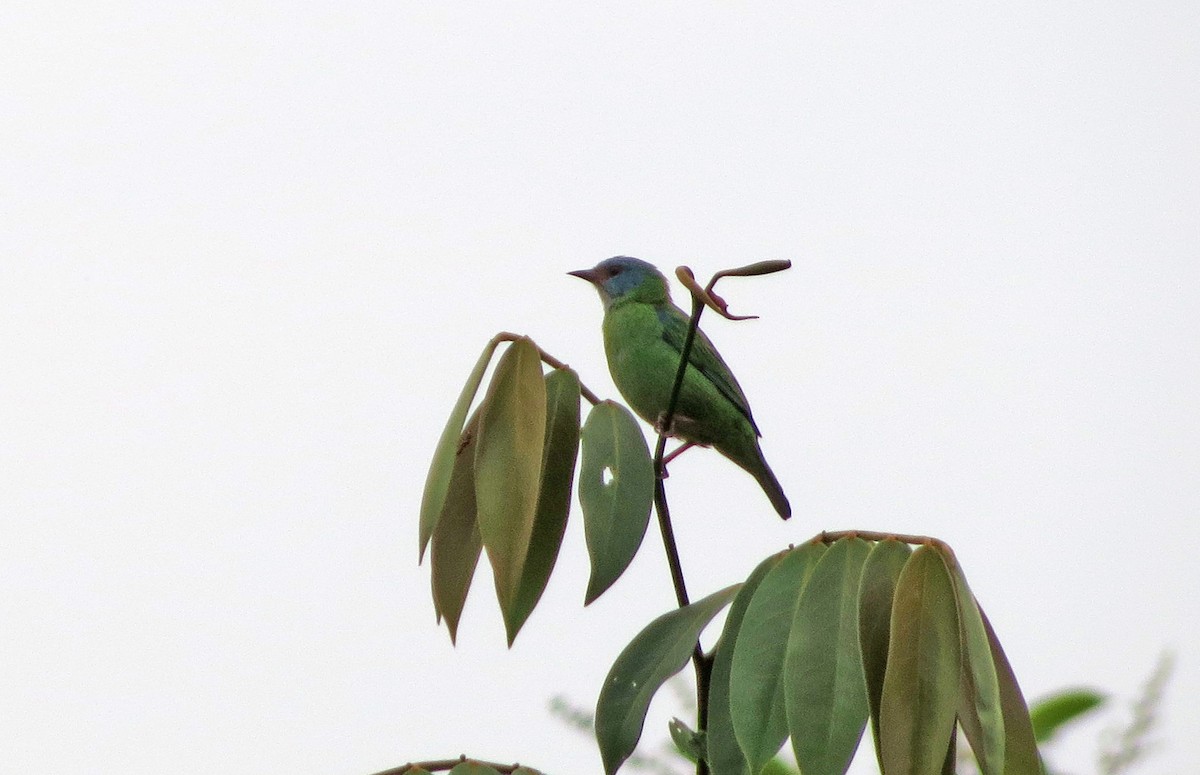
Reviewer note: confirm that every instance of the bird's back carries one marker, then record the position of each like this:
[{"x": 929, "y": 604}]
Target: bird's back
[{"x": 642, "y": 342}]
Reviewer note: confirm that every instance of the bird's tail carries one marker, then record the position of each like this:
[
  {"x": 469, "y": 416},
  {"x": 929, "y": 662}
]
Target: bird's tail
[
  {"x": 766, "y": 479},
  {"x": 756, "y": 465},
  {"x": 746, "y": 452}
]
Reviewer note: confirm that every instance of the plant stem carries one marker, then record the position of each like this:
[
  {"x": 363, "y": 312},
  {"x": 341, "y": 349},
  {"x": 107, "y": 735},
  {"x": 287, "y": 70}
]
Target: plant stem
[{"x": 701, "y": 661}]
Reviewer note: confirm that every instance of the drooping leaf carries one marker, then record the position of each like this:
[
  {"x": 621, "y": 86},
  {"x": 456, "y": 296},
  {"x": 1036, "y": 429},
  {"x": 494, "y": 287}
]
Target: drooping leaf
[
  {"x": 756, "y": 687},
  {"x": 688, "y": 741},
  {"x": 724, "y": 755},
  {"x": 554, "y": 498},
  {"x": 979, "y": 710},
  {"x": 877, "y": 588},
  {"x": 1049, "y": 714},
  {"x": 616, "y": 487},
  {"x": 920, "y": 689},
  {"x": 437, "y": 481},
  {"x": 826, "y": 697},
  {"x": 526, "y": 771},
  {"x": 1020, "y": 747},
  {"x": 655, "y": 654},
  {"x": 455, "y": 547},
  {"x": 508, "y": 464}
]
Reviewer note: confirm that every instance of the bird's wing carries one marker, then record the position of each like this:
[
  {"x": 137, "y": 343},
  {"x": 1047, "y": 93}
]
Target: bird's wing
[{"x": 704, "y": 358}]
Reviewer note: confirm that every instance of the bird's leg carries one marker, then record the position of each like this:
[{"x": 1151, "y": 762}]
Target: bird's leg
[{"x": 682, "y": 448}]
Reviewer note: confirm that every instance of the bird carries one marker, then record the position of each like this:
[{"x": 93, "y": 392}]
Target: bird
[{"x": 644, "y": 333}]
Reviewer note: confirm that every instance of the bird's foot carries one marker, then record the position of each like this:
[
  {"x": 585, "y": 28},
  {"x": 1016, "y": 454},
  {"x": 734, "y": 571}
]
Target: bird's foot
[{"x": 681, "y": 426}]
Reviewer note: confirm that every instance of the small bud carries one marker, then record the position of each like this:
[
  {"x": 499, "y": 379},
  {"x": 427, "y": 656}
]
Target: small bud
[{"x": 757, "y": 268}]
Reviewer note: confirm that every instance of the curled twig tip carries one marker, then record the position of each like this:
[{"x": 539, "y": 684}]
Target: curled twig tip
[
  {"x": 706, "y": 295},
  {"x": 757, "y": 268}
]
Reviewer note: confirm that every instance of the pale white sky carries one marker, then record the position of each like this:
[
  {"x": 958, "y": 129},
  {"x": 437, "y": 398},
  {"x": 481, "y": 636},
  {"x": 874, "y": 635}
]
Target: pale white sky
[{"x": 248, "y": 253}]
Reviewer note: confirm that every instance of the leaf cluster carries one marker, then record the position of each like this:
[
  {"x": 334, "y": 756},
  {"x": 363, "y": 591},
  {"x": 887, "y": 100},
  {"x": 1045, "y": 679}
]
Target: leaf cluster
[
  {"x": 501, "y": 482},
  {"x": 818, "y": 639}
]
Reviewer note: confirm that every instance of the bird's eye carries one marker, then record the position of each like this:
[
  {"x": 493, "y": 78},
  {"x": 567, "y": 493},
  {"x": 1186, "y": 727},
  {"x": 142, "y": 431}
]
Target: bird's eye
[{"x": 614, "y": 271}]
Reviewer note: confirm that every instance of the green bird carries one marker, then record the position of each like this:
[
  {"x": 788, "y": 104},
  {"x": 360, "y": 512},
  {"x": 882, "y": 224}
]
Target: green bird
[{"x": 643, "y": 339}]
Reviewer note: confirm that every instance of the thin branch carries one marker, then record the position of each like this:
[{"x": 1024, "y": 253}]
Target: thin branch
[
  {"x": 660, "y": 491},
  {"x": 449, "y": 764},
  {"x": 829, "y": 536},
  {"x": 702, "y": 662},
  {"x": 549, "y": 360}
]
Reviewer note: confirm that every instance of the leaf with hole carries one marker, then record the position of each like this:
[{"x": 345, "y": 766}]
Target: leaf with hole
[{"x": 616, "y": 487}]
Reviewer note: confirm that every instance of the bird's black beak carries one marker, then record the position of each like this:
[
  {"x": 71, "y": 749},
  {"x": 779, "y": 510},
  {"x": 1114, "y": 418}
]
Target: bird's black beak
[{"x": 591, "y": 275}]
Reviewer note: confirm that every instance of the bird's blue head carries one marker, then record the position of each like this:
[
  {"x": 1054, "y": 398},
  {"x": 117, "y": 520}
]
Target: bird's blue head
[{"x": 622, "y": 278}]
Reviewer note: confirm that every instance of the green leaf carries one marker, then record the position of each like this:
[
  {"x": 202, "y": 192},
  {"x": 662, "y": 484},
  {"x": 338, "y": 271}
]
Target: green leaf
[
  {"x": 724, "y": 755},
  {"x": 437, "y": 481},
  {"x": 756, "y": 688},
  {"x": 951, "y": 760},
  {"x": 688, "y": 742},
  {"x": 1049, "y": 714},
  {"x": 473, "y": 768},
  {"x": 979, "y": 710},
  {"x": 616, "y": 486},
  {"x": 654, "y": 655},
  {"x": 508, "y": 464},
  {"x": 779, "y": 767},
  {"x": 826, "y": 697},
  {"x": 876, "y": 591},
  {"x": 454, "y": 551},
  {"x": 1020, "y": 747},
  {"x": 920, "y": 690},
  {"x": 416, "y": 771},
  {"x": 560, "y": 449}
]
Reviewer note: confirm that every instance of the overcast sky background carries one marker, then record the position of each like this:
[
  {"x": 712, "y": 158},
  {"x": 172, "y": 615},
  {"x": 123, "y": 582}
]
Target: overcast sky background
[{"x": 249, "y": 252}]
